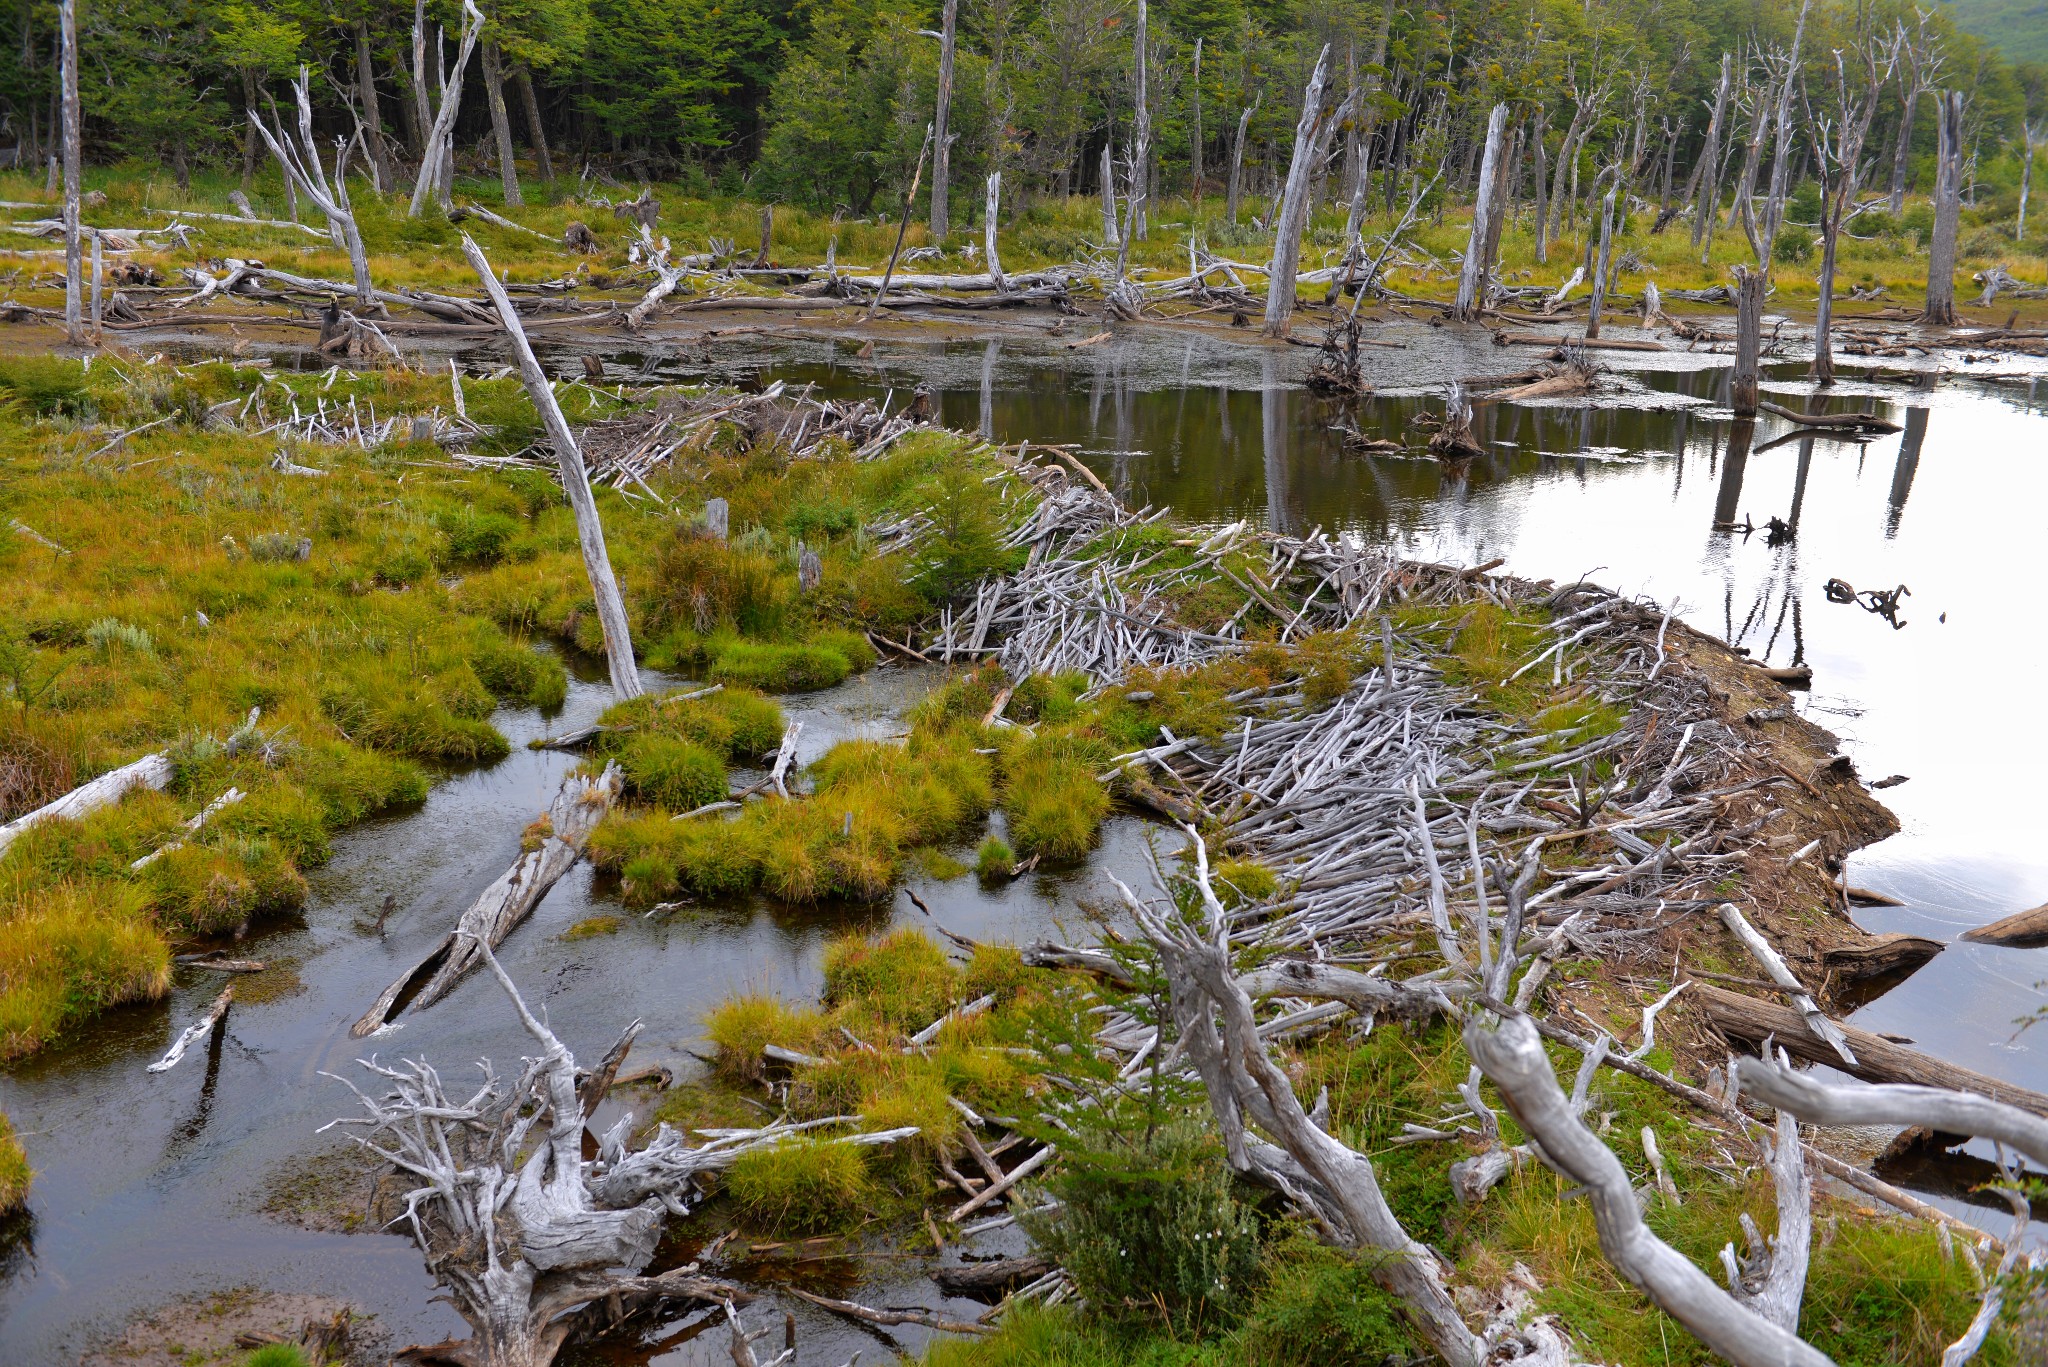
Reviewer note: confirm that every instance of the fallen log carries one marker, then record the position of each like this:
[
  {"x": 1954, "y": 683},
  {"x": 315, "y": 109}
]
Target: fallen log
[
  {"x": 1877, "y": 1058},
  {"x": 579, "y": 805},
  {"x": 1857, "y": 422},
  {"x": 195, "y": 1032},
  {"x": 870, "y": 1315},
  {"x": 1881, "y": 954},
  {"x": 2021, "y": 930},
  {"x": 1590, "y": 343},
  {"x": 151, "y": 771},
  {"x": 994, "y": 1278}
]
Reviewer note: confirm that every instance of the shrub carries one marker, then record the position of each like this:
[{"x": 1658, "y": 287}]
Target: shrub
[
  {"x": 1155, "y": 1229},
  {"x": 701, "y": 584},
  {"x": 474, "y": 538},
  {"x": 109, "y": 632},
  {"x": 965, "y": 545},
  {"x": 674, "y": 773},
  {"x": 780, "y": 668},
  {"x": 802, "y": 1187},
  {"x": 45, "y": 386},
  {"x": 1793, "y": 246}
]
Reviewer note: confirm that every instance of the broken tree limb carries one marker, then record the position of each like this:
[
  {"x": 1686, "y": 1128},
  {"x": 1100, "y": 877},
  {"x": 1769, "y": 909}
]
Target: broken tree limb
[
  {"x": 151, "y": 771},
  {"x": 995, "y": 1189},
  {"x": 1511, "y": 1054},
  {"x": 1781, "y": 973},
  {"x": 1853, "y": 422},
  {"x": 579, "y": 805},
  {"x": 783, "y": 755},
  {"x": 604, "y": 585},
  {"x": 195, "y": 1032},
  {"x": 1877, "y": 1058},
  {"x": 868, "y": 1315},
  {"x": 1858, "y": 1103},
  {"x": 2021, "y": 930}
]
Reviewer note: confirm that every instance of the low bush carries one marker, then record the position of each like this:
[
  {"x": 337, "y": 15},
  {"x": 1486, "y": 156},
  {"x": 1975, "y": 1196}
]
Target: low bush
[
  {"x": 802, "y": 1187},
  {"x": 995, "y": 858},
  {"x": 741, "y": 1027}
]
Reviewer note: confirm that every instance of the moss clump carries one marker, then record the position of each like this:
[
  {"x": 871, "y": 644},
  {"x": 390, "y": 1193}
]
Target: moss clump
[
  {"x": 1241, "y": 882},
  {"x": 677, "y": 774},
  {"x": 1053, "y": 801},
  {"x": 277, "y": 1355},
  {"x": 903, "y": 979},
  {"x": 591, "y": 927},
  {"x": 802, "y": 1187},
  {"x": 780, "y": 668},
  {"x": 15, "y": 1175},
  {"x": 741, "y": 1027},
  {"x": 995, "y": 858}
]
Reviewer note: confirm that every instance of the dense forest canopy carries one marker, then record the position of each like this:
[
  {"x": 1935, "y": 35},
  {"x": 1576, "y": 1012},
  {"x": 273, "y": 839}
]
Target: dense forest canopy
[{"x": 825, "y": 102}]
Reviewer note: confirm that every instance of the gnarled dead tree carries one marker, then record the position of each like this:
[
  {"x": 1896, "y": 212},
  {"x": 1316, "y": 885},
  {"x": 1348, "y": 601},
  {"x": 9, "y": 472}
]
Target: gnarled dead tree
[
  {"x": 300, "y": 160},
  {"x": 1312, "y": 134},
  {"x": 536, "y": 1244},
  {"x": 437, "y": 166}
]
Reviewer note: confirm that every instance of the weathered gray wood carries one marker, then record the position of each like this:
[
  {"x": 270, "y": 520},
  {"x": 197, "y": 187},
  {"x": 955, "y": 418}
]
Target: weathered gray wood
[
  {"x": 1709, "y": 168},
  {"x": 1478, "y": 263},
  {"x": 604, "y": 585},
  {"x": 1749, "y": 341},
  {"x": 1877, "y": 1058},
  {"x": 1289, "y": 221},
  {"x": 941, "y": 222},
  {"x": 1781, "y": 157},
  {"x": 195, "y": 1032},
  {"x": 1948, "y": 208},
  {"x": 1236, "y": 181},
  {"x": 1511, "y": 1054},
  {"x": 1195, "y": 139},
  {"x": 1604, "y": 263},
  {"x": 2021, "y": 930},
  {"x": 151, "y": 771},
  {"x": 1781, "y": 973},
  {"x": 579, "y": 805},
  {"x": 301, "y": 163},
  {"x": 436, "y": 166},
  {"x": 988, "y": 232},
  {"x": 372, "y": 115},
  {"x": 1858, "y": 1103},
  {"x": 501, "y": 124},
  {"x": 902, "y": 226},
  {"x": 67, "y": 25}
]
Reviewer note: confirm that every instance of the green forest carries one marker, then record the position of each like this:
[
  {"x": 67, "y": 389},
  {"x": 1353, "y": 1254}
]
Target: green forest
[{"x": 825, "y": 103}]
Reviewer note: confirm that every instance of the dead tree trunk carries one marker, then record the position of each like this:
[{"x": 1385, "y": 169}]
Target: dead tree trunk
[
  {"x": 1139, "y": 209},
  {"x": 942, "y": 149},
  {"x": 1542, "y": 186},
  {"x": 988, "y": 232},
  {"x": 604, "y": 586},
  {"x": 579, "y": 805},
  {"x": 1781, "y": 156},
  {"x": 152, "y": 771},
  {"x": 373, "y": 117},
  {"x": 1948, "y": 208},
  {"x": 1110, "y": 236},
  {"x": 1478, "y": 260},
  {"x": 1236, "y": 182},
  {"x": 2033, "y": 133},
  {"x": 422, "y": 107},
  {"x": 1923, "y": 67},
  {"x": 300, "y": 161},
  {"x": 74, "y": 282},
  {"x": 501, "y": 124},
  {"x": 437, "y": 166},
  {"x": 1749, "y": 337},
  {"x": 1195, "y": 138},
  {"x": 530, "y": 103},
  {"x": 1605, "y": 263},
  {"x": 1709, "y": 200},
  {"x": 1293, "y": 213}
]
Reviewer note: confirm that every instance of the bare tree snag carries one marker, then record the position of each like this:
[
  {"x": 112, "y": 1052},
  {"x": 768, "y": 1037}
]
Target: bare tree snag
[
  {"x": 1309, "y": 136},
  {"x": 301, "y": 163},
  {"x": 1923, "y": 68},
  {"x": 501, "y": 124},
  {"x": 195, "y": 1032},
  {"x": 1603, "y": 265},
  {"x": 1511, "y": 1054},
  {"x": 579, "y": 805},
  {"x": 1110, "y": 235},
  {"x": 1781, "y": 155},
  {"x": 1219, "y": 1035},
  {"x": 902, "y": 226},
  {"x": 941, "y": 222},
  {"x": 2032, "y": 134},
  {"x": 74, "y": 285},
  {"x": 604, "y": 585},
  {"x": 1749, "y": 341},
  {"x": 1478, "y": 261},
  {"x": 373, "y": 116},
  {"x": 988, "y": 231},
  {"x": 436, "y": 166},
  {"x": 530, "y": 102},
  {"x": 1236, "y": 182},
  {"x": 1948, "y": 208},
  {"x": 1709, "y": 202},
  {"x": 1838, "y": 152},
  {"x": 151, "y": 771},
  {"x": 1195, "y": 140},
  {"x": 1140, "y": 184}
]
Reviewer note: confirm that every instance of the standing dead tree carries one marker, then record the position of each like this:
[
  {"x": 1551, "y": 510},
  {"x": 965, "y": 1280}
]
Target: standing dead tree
[
  {"x": 942, "y": 150},
  {"x": 501, "y": 123},
  {"x": 1781, "y": 154},
  {"x": 437, "y": 167},
  {"x": 74, "y": 283},
  {"x": 604, "y": 585},
  {"x": 2033, "y": 135},
  {"x": 1478, "y": 261},
  {"x": 1838, "y": 139},
  {"x": 1235, "y": 185},
  {"x": 537, "y": 1244},
  {"x": 300, "y": 160},
  {"x": 1709, "y": 168},
  {"x": 1923, "y": 57},
  {"x": 1312, "y": 133},
  {"x": 1948, "y": 209}
]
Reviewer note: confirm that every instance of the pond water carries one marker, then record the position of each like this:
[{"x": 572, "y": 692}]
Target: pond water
[{"x": 152, "y": 1187}]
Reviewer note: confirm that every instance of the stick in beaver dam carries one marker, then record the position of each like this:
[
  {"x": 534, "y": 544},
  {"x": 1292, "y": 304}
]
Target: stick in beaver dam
[
  {"x": 579, "y": 806},
  {"x": 604, "y": 585}
]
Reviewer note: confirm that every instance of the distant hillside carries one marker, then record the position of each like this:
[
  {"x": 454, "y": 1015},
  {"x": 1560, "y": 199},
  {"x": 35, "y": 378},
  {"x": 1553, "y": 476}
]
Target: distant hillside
[{"x": 2019, "y": 28}]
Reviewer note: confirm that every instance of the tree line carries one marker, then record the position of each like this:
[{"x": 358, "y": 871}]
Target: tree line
[{"x": 828, "y": 103}]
